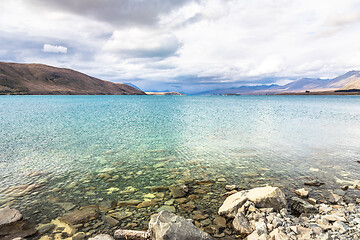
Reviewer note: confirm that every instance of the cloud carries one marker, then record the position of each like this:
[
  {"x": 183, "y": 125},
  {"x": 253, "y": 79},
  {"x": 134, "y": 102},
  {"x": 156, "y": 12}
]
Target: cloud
[
  {"x": 142, "y": 43},
  {"x": 54, "y": 49},
  {"x": 186, "y": 44},
  {"x": 121, "y": 13}
]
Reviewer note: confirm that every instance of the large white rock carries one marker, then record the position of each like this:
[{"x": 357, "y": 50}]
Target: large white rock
[
  {"x": 263, "y": 197},
  {"x": 232, "y": 203},
  {"x": 267, "y": 197}
]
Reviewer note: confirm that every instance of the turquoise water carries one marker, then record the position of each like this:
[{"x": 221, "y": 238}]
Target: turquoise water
[{"x": 157, "y": 140}]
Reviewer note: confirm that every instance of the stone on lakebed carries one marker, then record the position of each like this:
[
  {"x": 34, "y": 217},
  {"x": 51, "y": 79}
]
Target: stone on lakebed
[
  {"x": 13, "y": 226},
  {"x": 83, "y": 215},
  {"x": 179, "y": 191},
  {"x": 8, "y": 215}
]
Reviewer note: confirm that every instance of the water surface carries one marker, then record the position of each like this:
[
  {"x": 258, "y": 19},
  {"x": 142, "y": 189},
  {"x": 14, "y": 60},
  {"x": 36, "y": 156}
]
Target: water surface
[{"x": 157, "y": 140}]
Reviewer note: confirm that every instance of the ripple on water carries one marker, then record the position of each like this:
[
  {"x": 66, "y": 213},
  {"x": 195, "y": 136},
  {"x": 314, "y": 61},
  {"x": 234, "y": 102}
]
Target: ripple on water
[{"x": 104, "y": 148}]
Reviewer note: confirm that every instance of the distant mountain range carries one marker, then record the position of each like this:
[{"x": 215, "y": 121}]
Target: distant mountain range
[
  {"x": 349, "y": 82},
  {"x": 16, "y": 78},
  {"x": 39, "y": 79}
]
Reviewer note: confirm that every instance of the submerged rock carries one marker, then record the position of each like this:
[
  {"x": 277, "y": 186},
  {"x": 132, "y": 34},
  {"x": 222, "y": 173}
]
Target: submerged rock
[
  {"x": 204, "y": 182},
  {"x": 21, "y": 190},
  {"x": 159, "y": 189},
  {"x": 128, "y": 190},
  {"x": 220, "y": 221},
  {"x": 13, "y": 226},
  {"x": 36, "y": 173},
  {"x": 44, "y": 228},
  {"x": 111, "y": 221},
  {"x": 107, "y": 205},
  {"x": 166, "y": 208},
  {"x": 179, "y": 191},
  {"x": 8, "y": 216},
  {"x": 129, "y": 203},
  {"x": 81, "y": 216},
  {"x": 121, "y": 215},
  {"x": 166, "y": 225},
  {"x": 314, "y": 183},
  {"x": 67, "y": 206},
  {"x": 79, "y": 236},
  {"x": 146, "y": 204},
  {"x": 17, "y": 229}
]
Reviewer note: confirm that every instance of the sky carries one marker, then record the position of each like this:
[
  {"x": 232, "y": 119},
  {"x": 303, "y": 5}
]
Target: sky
[{"x": 185, "y": 45}]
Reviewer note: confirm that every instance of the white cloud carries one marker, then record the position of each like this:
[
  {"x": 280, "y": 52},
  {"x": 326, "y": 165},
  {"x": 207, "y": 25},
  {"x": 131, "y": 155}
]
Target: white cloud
[
  {"x": 54, "y": 49},
  {"x": 198, "y": 40},
  {"x": 142, "y": 43}
]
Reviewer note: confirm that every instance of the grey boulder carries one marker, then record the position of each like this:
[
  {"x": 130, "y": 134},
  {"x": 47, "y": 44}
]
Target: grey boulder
[
  {"x": 299, "y": 206},
  {"x": 13, "y": 226},
  {"x": 8, "y": 215},
  {"x": 168, "y": 226}
]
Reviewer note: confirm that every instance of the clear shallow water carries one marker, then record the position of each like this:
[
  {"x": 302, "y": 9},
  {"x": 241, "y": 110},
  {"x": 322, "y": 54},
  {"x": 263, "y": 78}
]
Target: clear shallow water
[{"x": 157, "y": 140}]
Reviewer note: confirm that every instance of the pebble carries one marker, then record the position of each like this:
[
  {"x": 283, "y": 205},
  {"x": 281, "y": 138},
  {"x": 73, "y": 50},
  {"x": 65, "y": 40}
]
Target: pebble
[
  {"x": 199, "y": 217},
  {"x": 166, "y": 208},
  {"x": 312, "y": 201},
  {"x": 220, "y": 221},
  {"x": 79, "y": 236},
  {"x": 205, "y": 222},
  {"x": 230, "y": 187},
  {"x": 111, "y": 221},
  {"x": 302, "y": 192}
]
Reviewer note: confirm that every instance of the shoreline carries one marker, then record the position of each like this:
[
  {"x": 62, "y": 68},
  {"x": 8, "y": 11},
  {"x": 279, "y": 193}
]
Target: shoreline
[{"x": 184, "y": 200}]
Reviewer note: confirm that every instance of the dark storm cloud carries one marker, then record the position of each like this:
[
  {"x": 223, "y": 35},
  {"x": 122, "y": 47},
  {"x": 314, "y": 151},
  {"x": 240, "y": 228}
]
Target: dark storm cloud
[{"x": 123, "y": 12}]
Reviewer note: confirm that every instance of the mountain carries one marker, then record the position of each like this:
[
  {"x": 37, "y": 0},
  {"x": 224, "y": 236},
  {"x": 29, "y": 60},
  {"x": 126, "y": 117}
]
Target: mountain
[
  {"x": 39, "y": 79},
  {"x": 243, "y": 90},
  {"x": 348, "y": 82},
  {"x": 305, "y": 84},
  {"x": 132, "y": 85}
]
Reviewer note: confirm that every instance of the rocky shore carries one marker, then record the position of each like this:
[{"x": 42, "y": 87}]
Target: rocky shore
[{"x": 258, "y": 213}]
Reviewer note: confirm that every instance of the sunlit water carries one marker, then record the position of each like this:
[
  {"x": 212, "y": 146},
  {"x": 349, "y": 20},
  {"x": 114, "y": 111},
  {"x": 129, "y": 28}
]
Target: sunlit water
[{"x": 145, "y": 141}]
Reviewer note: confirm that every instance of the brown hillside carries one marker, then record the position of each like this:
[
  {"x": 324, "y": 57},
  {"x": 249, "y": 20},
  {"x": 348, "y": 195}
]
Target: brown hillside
[{"x": 39, "y": 79}]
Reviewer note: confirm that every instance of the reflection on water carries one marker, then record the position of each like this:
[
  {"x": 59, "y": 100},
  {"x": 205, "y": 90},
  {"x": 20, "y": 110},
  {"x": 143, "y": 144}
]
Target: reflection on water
[{"x": 87, "y": 149}]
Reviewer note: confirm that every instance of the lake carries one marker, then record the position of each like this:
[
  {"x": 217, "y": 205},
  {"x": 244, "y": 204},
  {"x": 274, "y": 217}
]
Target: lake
[{"x": 83, "y": 150}]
